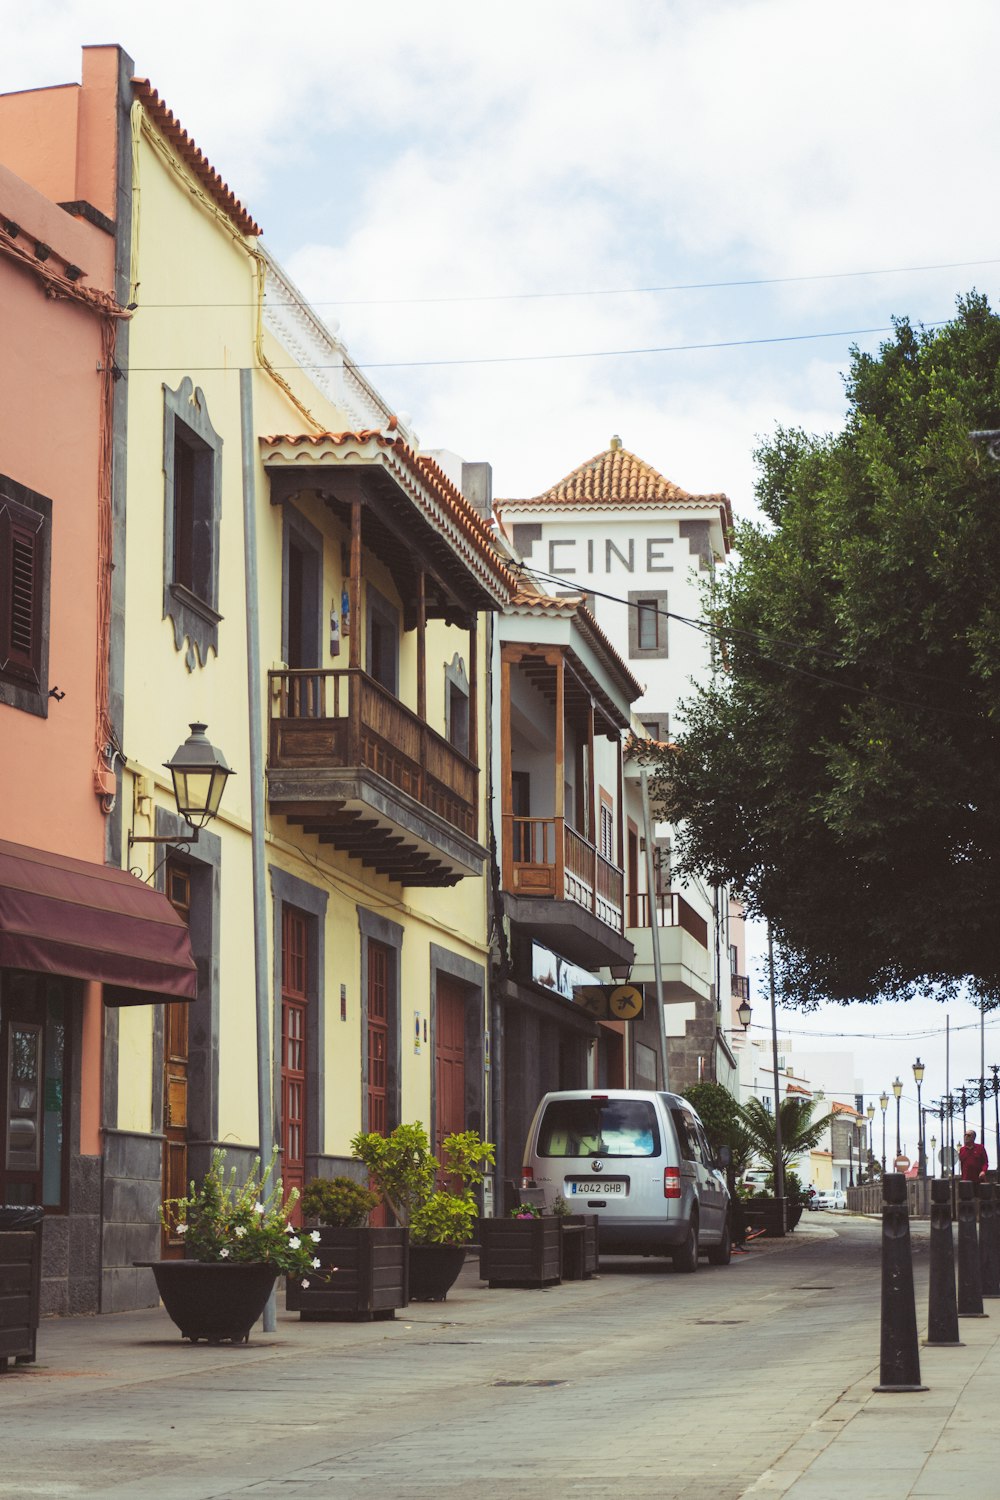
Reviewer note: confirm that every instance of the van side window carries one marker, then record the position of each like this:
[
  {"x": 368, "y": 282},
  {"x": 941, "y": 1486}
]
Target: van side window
[{"x": 687, "y": 1134}]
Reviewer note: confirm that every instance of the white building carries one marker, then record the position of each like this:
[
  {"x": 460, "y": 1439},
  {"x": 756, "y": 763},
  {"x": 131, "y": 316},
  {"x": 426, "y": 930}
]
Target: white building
[{"x": 642, "y": 551}]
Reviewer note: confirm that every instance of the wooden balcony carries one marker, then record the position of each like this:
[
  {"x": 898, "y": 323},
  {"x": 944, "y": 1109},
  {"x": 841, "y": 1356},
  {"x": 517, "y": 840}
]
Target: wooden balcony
[
  {"x": 740, "y": 987},
  {"x": 350, "y": 763},
  {"x": 560, "y": 889}
]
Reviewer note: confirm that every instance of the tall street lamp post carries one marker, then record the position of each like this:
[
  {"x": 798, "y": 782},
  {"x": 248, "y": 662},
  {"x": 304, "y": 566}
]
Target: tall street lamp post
[
  {"x": 897, "y": 1089},
  {"x": 850, "y": 1158},
  {"x": 933, "y": 1155},
  {"x": 918, "y": 1078},
  {"x": 883, "y": 1099},
  {"x": 870, "y": 1112}
]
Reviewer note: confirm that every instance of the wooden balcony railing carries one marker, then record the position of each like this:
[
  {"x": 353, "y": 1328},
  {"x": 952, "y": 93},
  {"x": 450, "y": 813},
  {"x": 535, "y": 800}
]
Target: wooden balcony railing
[
  {"x": 671, "y": 911},
  {"x": 345, "y": 718},
  {"x": 546, "y": 857}
]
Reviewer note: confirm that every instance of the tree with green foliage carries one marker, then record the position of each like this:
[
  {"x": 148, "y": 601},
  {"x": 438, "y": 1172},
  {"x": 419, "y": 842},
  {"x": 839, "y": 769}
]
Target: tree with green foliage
[
  {"x": 800, "y": 1130},
  {"x": 840, "y": 772},
  {"x": 719, "y": 1113}
]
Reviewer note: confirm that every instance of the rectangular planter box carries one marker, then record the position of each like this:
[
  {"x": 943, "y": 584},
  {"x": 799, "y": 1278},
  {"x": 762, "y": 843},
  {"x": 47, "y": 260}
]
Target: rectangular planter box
[
  {"x": 580, "y": 1246},
  {"x": 520, "y": 1252},
  {"x": 20, "y": 1288},
  {"x": 370, "y": 1281}
]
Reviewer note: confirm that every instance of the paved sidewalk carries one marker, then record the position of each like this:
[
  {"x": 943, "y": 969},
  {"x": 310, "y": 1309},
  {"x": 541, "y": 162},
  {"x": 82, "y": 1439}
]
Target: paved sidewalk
[{"x": 931, "y": 1445}]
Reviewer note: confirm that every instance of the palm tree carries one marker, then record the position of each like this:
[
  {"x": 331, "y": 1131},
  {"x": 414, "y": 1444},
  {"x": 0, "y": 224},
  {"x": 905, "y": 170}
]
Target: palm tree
[{"x": 799, "y": 1130}]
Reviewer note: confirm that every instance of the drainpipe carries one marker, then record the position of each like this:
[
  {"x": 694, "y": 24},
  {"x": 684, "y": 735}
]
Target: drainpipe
[
  {"x": 265, "y": 1114},
  {"x": 654, "y": 931}
]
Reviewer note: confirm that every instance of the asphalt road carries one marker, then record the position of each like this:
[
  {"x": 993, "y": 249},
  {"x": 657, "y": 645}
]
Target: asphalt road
[{"x": 643, "y": 1382}]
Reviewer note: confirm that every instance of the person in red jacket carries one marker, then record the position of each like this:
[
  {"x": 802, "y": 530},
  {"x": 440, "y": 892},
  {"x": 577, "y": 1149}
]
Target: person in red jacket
[{"x": 972, "y": 1158}]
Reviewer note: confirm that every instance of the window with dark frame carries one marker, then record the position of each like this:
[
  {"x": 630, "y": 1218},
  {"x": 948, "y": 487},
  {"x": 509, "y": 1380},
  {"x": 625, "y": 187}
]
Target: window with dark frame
[
  {"x": 25, "y": 553},
  {"x": 647, "y": 623},
  {"x": 192, "y": 470}
]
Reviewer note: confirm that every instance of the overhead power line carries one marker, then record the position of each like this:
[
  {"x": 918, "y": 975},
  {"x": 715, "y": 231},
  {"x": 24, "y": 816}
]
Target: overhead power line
[
  {"x": 613, "y": 291},
  {"x": 518, "y": 359}
]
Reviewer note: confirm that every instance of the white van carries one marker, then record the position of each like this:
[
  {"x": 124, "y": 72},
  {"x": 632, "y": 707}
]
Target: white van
[{"x": 638, "y": 1159}]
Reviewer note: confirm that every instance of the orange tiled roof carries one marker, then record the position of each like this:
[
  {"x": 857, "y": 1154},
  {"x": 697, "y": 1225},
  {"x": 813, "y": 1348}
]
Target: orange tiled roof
[
  {"x": 844, "y": 1109},
  {"x": 528, "y": 599},
  {"x": 617, "y": 479},
  {"x": 170, "y": 127},
  {"x": 427, "y": 471}
]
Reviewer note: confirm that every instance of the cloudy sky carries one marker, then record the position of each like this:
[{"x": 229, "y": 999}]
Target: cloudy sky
[{"x": 500, "y": 205}]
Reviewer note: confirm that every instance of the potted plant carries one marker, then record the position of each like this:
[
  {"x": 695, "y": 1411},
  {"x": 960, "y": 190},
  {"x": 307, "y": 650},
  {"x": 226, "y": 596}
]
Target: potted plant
[
  {"x": 440, "y": 1215},
  {"x": 237, "y": 1240},
  {"x": 524, "y": 1249},
  {"x": 365, "y": 1269}
]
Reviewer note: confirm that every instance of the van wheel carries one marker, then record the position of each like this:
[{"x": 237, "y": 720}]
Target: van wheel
[
  {"x": 722, "y": 1253},
  {"x": 686, "y": 1258}
]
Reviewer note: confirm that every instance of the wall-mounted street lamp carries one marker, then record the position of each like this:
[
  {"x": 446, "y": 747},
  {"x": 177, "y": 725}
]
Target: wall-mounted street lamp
[
  {"x": 620, "y": 973},
  {"x": 743, "y": 1013},
  {"x": 199, "y": 773}
]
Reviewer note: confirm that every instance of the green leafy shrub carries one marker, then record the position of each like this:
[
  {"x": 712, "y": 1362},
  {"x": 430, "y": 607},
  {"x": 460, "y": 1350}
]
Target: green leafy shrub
[
  {"x": 339, "y": 1201},
  {"x": 405, "y": 1172}
]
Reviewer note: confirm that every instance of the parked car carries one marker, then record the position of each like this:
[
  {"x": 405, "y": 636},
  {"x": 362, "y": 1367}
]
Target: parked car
[
  {"x": 829, "y": 1198},
  {"x": 756, "y": 1179},
  {"x": 641, "y": 1161}
]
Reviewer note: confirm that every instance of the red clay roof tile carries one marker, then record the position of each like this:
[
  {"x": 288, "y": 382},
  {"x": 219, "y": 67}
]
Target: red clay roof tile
[{"x": 170, "y": 127}]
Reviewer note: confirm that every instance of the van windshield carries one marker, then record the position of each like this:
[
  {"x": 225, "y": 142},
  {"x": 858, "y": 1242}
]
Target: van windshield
[{"x": 591, "y": 1127}]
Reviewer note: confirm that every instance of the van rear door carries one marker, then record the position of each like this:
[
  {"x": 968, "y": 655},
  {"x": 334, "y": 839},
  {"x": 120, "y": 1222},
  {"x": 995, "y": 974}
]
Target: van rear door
[{"x": 598, "y": 1151}]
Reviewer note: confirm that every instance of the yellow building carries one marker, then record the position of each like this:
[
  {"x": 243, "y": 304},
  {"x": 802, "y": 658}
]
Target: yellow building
[{"x": 292, "y": 573}]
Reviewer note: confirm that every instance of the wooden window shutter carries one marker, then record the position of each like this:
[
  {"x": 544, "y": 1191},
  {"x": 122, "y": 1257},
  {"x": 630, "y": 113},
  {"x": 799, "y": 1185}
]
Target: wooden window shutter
[{"x": 21, "y": 592}]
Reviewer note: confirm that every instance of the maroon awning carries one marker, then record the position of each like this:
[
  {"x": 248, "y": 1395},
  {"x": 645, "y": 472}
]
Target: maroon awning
[{"x": 60, "y": 915}]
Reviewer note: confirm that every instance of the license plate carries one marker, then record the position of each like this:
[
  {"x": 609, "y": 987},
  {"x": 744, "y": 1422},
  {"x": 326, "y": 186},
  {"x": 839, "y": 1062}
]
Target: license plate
[{"x": 607, "y": 1187}]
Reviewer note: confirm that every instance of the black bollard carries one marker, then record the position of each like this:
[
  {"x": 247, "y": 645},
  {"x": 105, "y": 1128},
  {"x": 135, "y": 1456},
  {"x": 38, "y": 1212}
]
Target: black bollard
[
  {"x": 989, "y": 1265},
  {"x": 942, "y": 1308},
  {"x": 899, "y": 1368},
  {"x": 970, "y": 1288}
]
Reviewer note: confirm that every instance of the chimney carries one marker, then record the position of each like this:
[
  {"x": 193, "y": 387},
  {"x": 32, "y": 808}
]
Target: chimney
[{"x": 477, "y": 487}]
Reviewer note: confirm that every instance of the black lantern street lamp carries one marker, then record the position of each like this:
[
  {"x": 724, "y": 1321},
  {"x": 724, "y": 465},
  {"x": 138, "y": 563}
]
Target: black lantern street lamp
[
  {"x": 744, "y": 1012},
  {"x": 897, "y": 1089},
  {"x": 870, "y": 1112},
  {"x": 918, "y": 1078},
  {"x": 933, "y": 1155},
  {"x": 883, "y": 1099},
  {"x": 199, "y": 773}
]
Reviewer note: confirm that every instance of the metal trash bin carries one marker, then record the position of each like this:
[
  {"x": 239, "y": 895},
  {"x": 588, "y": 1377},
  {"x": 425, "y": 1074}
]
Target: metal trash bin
[{"x": 20, "y": 1281}]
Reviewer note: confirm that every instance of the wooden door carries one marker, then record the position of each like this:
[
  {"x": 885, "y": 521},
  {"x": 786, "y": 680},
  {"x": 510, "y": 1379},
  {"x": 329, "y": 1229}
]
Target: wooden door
[
  {"x": 175, "y": 1074},
  {"x": 449, "y": 1060},
  {"x": 294, "y": 1049},
  {"x": 378, "y": 1052}
]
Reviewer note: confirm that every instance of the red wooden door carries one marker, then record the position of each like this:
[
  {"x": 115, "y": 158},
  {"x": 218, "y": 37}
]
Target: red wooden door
[
  {"x": 449, "y": 1060},
  {"x": 378, "y": 1052},
  {"x": 175, "y": 1076},
  {"x": 294, "y": 1002}
]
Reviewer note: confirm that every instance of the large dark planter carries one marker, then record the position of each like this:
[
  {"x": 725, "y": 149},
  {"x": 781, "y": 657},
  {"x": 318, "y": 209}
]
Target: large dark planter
[
  {"x": 762, "y": 1213},
  {"x": 520, "y": 1252},
  {"x": 20, "y": 1282},
  {"x": 579, "y": 1236},
  {"x": 434, "y": 1270},
  {"x": 211, "y": 1300},
  {"x": 363, "y": 1276}
]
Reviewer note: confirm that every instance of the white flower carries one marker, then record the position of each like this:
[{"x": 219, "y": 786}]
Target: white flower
[
  {"x": 223, "y": 1254},
  {"x": 180, "y": 1229},
  {"x": 289, "y": 1228},
  {"x": 240, "y": 1231},
  {"x": 315, "y": 1236},
  {"x": 316, "y": 1262},
  {"x": 304, "y": 1282},
  {"x": 258, "y": 1208},
  {"x": 294, "y": 1242}
]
